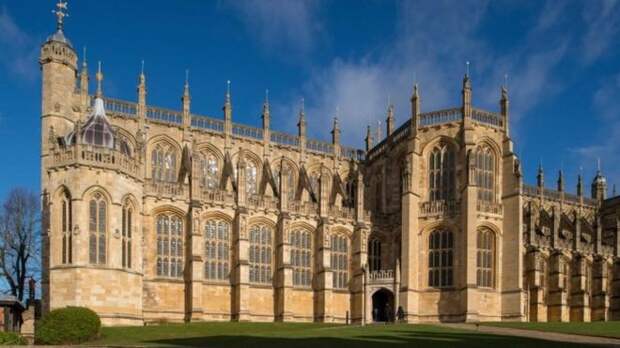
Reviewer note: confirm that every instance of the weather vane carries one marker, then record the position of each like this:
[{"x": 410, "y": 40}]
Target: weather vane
[{"x": 60, "y": 12}]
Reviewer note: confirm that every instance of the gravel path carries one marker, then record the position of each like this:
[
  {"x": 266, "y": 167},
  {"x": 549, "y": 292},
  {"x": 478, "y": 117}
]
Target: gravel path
[{"x": 543, "y": 335}]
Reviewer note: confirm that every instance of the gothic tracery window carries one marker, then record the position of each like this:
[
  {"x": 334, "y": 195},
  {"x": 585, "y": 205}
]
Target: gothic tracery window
[
  {"x": 210, "y": 172},
  {"x": 126, "y": 235},
  {"x": 66, "y": 226},
  {"x": 169, "y": 245},
  {"x": 441, "y": 173},
  {"x": 97, "y": 228},
  {"x": 374, "y": 254},
  {"x": 441, "y": 259},
  {"x": 339, "y": 261},
  {"x": 163, "y": 163},
  {"x": 251, "y": 178},
  {"x": 485, "y": 174},
  {"x": 485, "y": 258},
  {"x": 261, "y": 254},
  {"x": 301, "y": 257},
  {"x": 217, "y": 249}
]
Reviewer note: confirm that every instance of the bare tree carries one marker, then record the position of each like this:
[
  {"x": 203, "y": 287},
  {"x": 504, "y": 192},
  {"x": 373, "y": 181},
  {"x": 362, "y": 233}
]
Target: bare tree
[{"x": 19, "y": 240}]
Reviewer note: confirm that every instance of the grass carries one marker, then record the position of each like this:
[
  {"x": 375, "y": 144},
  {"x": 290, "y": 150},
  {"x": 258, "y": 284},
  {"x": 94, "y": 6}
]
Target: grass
[
  {"x": 598, "y": 328},
  {"x": 276, "y": 335}
]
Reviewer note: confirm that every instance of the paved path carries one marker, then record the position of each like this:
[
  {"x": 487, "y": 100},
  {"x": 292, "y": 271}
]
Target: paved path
[{"x": 542, "y": 335}]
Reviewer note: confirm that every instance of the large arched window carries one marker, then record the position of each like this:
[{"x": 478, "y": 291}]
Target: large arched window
[
  {"x": 441, "y": 259},
  {"x": 374, "y": 254},
  {"x": 210, "y": 171},
  {"x": 126, "y": 235},
  {"x": 485, "y": 174},
  {"x": 169, "y": 246},
  {"x": 340, "y": 261},
  {"x": 66, "y": 225},
  {"x": 251, "y": 178},
  {"x": 288, "y": 173},
  {"x": 301, "y": 257},
  {"x": 261, "y": 254},
  {"x": 217, "y": 249},
  {"x": 97, "y": 228},
  {"x": 163, "y": 163},
  {"x": 441, "y": 175},
  {"x": 485, "y": 258}
]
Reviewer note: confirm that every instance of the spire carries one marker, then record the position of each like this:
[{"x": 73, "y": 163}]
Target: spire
[
  {"x": 415, "y": 110},
  {"x": 599, "y": 184},
  {"x": 84, "y": 75},
  {"x": 266, "y": 111},
  {"x": 466, "y": 94},
  {"x": 141, "y": 91},
  {"x": 336, "y": 128},
  {"x": 302, "y": 119},
  {"x": 389, "y": 122},
  {"x": 228, "y": 102},
  {"x": 186, "y": 86},
  {"x": 579, "y": 185},
  {"x": 99, "y": 78},
  {"x": 60, "y": 12},
  {"x": 503, "y": 104},
  {"x": 561, "y": 181},
  {"x": 379, "y": 134},
  {"x": 368, "y": 138},
  {"x": 541, "y": 176}
]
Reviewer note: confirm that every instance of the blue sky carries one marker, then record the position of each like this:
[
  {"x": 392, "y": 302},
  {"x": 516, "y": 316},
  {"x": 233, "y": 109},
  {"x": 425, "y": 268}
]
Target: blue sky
[{"x": 562, "y": 59}]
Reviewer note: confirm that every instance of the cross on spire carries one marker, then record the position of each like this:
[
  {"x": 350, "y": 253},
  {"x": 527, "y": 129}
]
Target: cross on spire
[{"x": 61, "y": 13}]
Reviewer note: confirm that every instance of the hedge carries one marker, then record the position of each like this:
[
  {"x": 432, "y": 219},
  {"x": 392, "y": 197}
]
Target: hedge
[
  {"x": 70, "y": 325},
  {"x": 12, "y": 339}
]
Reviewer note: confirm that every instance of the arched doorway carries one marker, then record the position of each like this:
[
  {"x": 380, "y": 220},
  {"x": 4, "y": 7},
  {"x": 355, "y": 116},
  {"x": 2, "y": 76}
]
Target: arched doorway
[{"x": 383, "y": 306}]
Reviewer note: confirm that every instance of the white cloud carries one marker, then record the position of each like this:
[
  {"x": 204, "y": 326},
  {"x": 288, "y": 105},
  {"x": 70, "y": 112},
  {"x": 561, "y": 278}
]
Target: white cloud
[
  {"x": 281, "y": 25},
  {"x": 20, "y": 51},
  {"x": 433, "y": 44},
  {"x": 602, "y": 22}
]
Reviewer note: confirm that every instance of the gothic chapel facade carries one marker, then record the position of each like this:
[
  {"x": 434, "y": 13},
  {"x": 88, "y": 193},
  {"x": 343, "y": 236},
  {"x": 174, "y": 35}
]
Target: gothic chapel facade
[{"x": 157, "y": 215}]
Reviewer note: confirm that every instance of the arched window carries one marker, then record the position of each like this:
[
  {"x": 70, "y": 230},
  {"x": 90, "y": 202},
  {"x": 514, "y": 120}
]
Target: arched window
[
  {"x": 374, "y": 254},
  {"x": 288, "y": 173},
  {"x": 440, "y": 259},
  {"x": 97, "y": 228},
  {"x": 126, "y": 235},
  {"x": 217, "y": 249},
  {"x": 441, "y": 173},
  {"x": 251, "y": 178},
  {"x": 169, "y": 246},
  {"x": 485, "y": 174},
  {"x": 210, "y": 172},
  {"x": 301, "y": 257},
  {"x": 66, "y": 226},
  {"x": 485, "y": 258},
  {"x": 340, "y": 261},
  {"x": 163, "y": 163},
  {"x": 542, "y": 268},
  {"x": 260, "y": 254}
]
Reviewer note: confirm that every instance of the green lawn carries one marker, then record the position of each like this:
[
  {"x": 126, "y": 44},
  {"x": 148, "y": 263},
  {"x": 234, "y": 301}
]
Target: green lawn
[
  {"x": 598, "y": 328},
  {"x": 275, "y": 335}
]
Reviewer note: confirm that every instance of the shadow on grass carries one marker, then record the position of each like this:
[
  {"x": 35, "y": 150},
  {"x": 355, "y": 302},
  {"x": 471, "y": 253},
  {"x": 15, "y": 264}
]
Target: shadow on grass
[{"x": 393, "y": 339}]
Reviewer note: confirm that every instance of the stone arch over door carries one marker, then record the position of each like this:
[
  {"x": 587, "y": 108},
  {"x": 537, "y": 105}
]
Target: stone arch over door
[{"x": 382, "y": 305}]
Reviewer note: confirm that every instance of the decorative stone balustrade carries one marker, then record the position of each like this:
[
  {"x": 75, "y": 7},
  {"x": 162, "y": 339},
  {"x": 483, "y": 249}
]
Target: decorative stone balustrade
[
  {"x": 487, "y": 118},
  {"x": 383, "y": 275},
  {"x": 438, "y": 208},
  {"x": 164, "y": 189},
  {"x": 342, "y": 212},
  {"x": 490, "y": 207},
  {"x": 304, "y": 208},
  {"x": 217, "y": 196},
  {"x": 263, "y": 202},
  {"x": 93, "y": 156},
  {"x": 439, "y": 117}
]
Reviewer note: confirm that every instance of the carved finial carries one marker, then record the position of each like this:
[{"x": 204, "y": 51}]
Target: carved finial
[
  {"x": 580, "y": 183},
  {"x": 60, "y": 12},
  {"x": 467, "y": 69},
  {"x": 84, "y": 63},
  {"x": 228, "y": 92},
  {"x": 415, "y": 90},
  {"x": 99, "y": 78}
]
